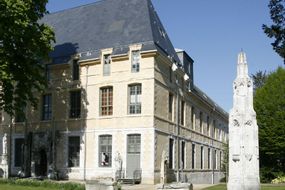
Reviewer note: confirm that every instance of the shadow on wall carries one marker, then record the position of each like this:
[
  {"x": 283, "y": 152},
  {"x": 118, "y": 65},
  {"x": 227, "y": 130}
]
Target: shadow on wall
[{"x": 48, "y": 151}]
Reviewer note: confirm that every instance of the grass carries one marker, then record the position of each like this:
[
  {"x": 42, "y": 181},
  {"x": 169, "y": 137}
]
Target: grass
[
  {"x": 29, "y": 184},
  {"x": 263, "y": 187},
  {"x": 18, "y": 187}
]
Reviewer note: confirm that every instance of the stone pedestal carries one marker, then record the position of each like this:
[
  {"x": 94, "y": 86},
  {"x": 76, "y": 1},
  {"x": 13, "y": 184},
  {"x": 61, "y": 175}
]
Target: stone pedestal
[
  {"x": 177, "y": 186},
  {"x": 101, "y": 184}
]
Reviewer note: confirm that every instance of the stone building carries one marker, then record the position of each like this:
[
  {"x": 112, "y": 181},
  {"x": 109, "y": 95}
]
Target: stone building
[{"x": 119, "y": 97}]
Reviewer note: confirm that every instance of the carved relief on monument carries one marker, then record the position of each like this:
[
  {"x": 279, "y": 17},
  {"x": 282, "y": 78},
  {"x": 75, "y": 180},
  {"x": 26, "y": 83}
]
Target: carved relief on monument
[
  {"x": 236, "y": 123},
  {"x": 249, "y": 83},
  {"x": 248, "y": 123},
  {"x": 248, "y": 157}
]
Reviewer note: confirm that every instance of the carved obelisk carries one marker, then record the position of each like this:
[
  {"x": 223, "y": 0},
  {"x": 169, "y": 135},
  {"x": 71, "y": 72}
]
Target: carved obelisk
[{"x": 243, "y": 133}]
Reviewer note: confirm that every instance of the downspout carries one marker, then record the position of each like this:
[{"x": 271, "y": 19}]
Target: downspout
[
  {"x": 178, "y": 131},
  {"x": 85, "y": 135},
  {"x": 213, "y": 136}
]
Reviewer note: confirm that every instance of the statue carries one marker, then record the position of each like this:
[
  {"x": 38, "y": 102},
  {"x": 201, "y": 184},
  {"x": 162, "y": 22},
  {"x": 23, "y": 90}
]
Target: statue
[
  {"x": 4, "y": 149},
  {"x": 118, "y": 161},
  {"x": 163, "y": 167}
]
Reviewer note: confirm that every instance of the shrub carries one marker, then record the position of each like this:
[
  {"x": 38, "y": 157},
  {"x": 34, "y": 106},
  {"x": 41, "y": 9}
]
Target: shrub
[{"x": 279, "y": 179}]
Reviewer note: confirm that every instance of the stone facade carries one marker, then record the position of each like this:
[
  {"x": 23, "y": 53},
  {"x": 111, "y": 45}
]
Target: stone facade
[{"x": 82, "y": 142}]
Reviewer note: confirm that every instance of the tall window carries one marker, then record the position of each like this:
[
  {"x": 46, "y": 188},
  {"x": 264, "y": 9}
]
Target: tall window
[
  {"x": 202, "y": 157},
  {"x": 201, "y": 121},
  {"x": 215, "y": 160},
  {"x": 73, "y": 151},
  {"x": 75, "y": 70},
  {"x": 208, "y": 125},
  {"x": 75, "y": 104},
  {"x": 135, "y": 92},
  {"x": 105, "y": 150},
  {"x": 182, "y": 113},
  {"x": 209, "y": 158},
  {"x": 183, "y": 155},
  {"x": 170, "y": 106},
  {"x": 106, "y": 64},
  {"x": 220, "y": 160},
  {"x": 193, "y": 156},
  {"x": 214, "y": 129},
  {"x": 47, "y": 107},
  {"x": 171, "y": 147},
  {"x": 106, "y": 101},
  {"x": 135, "y": 61},
  {"x": 19, "y": 152},
  {"x": 193, "y": 117}
]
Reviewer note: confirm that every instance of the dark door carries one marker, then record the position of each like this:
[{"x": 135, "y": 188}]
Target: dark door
[{"x": 41, "y": 168}]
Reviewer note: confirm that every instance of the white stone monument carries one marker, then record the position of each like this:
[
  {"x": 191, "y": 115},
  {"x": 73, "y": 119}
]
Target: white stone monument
[{"x": 243, "y": 133}]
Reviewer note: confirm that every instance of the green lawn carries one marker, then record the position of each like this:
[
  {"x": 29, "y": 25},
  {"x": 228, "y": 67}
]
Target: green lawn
[
  {"x": 17, "y": 187},
  {"x": 263, "y": 187}
]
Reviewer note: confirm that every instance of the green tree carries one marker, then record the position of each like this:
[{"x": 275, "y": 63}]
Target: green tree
[
  {"x": 277, "y": 30},
  {"x": 269, "y": 104},
  {"x": 25, "y": 44},
  {"x": 259, "y": 79}
]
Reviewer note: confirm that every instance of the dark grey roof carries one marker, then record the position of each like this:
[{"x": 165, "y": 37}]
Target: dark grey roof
[{"x": 107, "y": 24}]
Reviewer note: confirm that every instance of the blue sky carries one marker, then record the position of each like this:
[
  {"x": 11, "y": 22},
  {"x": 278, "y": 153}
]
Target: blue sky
[{"x": 213, "y": 33}]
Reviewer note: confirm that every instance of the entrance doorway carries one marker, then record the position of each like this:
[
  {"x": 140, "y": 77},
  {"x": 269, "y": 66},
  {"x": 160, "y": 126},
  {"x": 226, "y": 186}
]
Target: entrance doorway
[
  {"x": 133, "y": 155},
  {"x": 41, "y": 166}
]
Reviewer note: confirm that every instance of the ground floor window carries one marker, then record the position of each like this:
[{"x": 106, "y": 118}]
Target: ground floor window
[
  {"x": 73, "y": 151},
  {"x": 19, "y": 152},
  {"x": 171, "y": 144},
  {"x": 215, "y": 160},
  {"x": 193, "y": 156},
  {"x": 183, "y": 155},
  {"x": 202, "y": 157},
  {"x": 209, "y": 158},
  {"x": 105, "y": 150}
]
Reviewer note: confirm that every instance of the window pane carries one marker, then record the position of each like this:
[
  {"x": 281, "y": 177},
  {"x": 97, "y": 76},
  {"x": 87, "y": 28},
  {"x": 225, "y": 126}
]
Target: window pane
[
  {"x": 75, "y": 70},
  {"x": 135, "y": 61},
  {"x": 47, "y": 107},
  {"x": 134, "y": 144},
  {"x": 75, "y": 104},
  {"x": 135, "y": 99},
  {"x": 73, "y": 151},
  {"x": 105, "y": 150},
  {"x": 106, "y": 66},
  {"x": 19, "y": 151},
  {"x": 106, "y": 101}
]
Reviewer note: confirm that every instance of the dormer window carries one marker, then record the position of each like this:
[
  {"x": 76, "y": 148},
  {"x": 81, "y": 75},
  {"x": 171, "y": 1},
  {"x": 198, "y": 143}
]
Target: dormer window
[
  {"x": 106, "y": 64},
  {"x": 75, "y": 70},
  {"x": 135, "y": 61}
]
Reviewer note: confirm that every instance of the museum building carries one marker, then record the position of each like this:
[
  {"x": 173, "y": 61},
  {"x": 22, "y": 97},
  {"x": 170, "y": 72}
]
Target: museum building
[{"x": 120, "y": 101}]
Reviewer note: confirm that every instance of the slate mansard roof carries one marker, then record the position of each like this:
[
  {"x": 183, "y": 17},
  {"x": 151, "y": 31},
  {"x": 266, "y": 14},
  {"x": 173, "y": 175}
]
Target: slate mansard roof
[{"x": 107, "y": 24}]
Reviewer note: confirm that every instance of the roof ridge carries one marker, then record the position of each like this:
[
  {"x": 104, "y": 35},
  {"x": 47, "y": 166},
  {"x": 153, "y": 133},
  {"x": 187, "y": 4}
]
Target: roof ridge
[{"x": 76, "y": 7}]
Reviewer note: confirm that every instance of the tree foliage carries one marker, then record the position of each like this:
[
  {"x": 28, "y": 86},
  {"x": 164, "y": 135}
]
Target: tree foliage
[
  {"x": 277, "y": 30},
  {"x": 24, "y": 44},
  {"x": 259, "y": 79},
  {"x": 269, "y": 103}
]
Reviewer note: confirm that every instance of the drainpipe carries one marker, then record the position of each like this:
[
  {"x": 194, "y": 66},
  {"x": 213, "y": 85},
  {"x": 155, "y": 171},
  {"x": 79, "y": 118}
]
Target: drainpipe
[
  {"x": 178, "y": 131},
  {"x": 213, "y": 136},
  {"x": 85, "y": 135}
]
